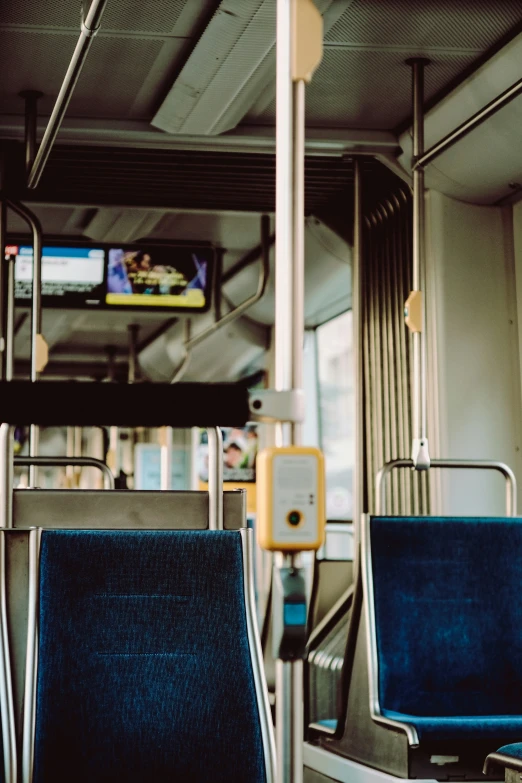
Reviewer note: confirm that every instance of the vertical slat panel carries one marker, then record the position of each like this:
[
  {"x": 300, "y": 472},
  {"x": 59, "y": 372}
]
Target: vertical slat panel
[{"x": 386, "y": 344}]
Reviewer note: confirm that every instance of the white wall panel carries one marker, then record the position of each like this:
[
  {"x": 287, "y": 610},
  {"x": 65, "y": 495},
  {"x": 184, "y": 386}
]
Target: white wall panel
[{"x": 472, "y": 298}]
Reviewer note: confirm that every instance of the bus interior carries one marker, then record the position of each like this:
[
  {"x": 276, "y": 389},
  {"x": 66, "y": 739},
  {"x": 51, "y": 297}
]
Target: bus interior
[{"x": 147, "y": 149}]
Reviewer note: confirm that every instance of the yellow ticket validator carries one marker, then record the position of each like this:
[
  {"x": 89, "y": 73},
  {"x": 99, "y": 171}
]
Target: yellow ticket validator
[{"x": 290, "y": 498}]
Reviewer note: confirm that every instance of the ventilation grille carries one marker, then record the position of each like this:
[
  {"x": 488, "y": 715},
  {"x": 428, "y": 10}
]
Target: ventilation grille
[
  {"x": 444, "y": 24},
  {"x": 109, "y": 83},
  {"x": 363, "y": 81},
  {"x": 343, "y": 93},
  {"x": 192, "y": 180},
  {"x": 159, "y": 16},
  {"x": 138, "y": 52}
]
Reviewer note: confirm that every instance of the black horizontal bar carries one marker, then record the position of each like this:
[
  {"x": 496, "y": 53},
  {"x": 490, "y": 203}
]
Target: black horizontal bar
[{"x": 82, "y": 404}]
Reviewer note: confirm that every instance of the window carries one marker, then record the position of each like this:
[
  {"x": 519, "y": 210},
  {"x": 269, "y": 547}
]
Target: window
[{"x": 336, "y": 413}]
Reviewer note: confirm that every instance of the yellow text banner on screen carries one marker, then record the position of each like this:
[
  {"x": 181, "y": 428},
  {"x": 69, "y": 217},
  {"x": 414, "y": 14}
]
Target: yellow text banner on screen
[{"x": 193, "y": 298}]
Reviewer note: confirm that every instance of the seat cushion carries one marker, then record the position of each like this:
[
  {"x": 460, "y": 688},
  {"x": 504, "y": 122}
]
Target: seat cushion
[
  {"x": 144, "y": 669},
  {"x": 514, "y": 750},
  {"x": 328, "y": 723},
  {"x": 448, "y": 614},
  {"x": 462, "y": 726}
]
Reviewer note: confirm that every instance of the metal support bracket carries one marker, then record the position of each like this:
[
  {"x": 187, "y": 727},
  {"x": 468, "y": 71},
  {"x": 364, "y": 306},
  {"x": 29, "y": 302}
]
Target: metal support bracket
[
  {"x": 307, "y": 35},
  {"x": 269, "y": 405},
  {"x": 413, "y": 311},
  {"x": 420, "y": 454}
]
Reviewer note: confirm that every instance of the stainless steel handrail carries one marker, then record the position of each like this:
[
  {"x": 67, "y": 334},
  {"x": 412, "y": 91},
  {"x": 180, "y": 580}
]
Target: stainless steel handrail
[
  {"x": 36, "y": 315},
  {"x": 478, "y": 464},
  {"x": 264, "y": 274},
  {"x": 466, "y": 127},
  {"x": 89, "y": 27},
  {"x": 215, "y": 478},
  {"x": 56, "y": 462}
]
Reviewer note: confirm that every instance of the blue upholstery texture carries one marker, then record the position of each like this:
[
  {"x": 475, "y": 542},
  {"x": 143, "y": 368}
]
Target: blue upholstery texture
[
  {"x": 329, "y": 723},
  {"x": 144, "y": 665},
  {"x": 448, "y": 612},
  {"x": 514, "y": 750}
]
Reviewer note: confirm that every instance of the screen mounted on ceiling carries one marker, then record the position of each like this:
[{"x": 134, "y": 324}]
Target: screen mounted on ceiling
[
  {"x": 159, "y": 276},
  {"x": 71, "y": 276},
  {"x": 154, "y": 277}
]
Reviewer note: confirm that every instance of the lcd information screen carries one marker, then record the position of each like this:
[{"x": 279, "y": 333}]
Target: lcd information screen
[
  {"x": 175, "y": 277},
  {"x": 71, "y": 276},
  {"x": 168, "y": 277},
  {"x": 239, "y": 454}
]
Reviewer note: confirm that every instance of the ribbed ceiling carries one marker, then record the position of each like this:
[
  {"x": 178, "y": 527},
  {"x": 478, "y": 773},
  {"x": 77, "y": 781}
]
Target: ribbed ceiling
[
  {"x": 363, "y": 81},
  {"x": 133, "y": 60},
  {"x": 159, "y": 16},
  {"x": 444, "y": 24},
  {"x": 189, "y": 180}
]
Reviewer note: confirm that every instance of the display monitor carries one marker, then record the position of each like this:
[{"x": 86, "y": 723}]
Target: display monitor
[
  {"x": 239, "y": 454},
  {"x": 159, "y": 276},
  {"x": 71, "y": 276},
  {"x": 134, "y": 277}
]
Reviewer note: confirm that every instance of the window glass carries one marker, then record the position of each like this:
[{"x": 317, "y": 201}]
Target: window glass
[{"x": 336, "y": 413}]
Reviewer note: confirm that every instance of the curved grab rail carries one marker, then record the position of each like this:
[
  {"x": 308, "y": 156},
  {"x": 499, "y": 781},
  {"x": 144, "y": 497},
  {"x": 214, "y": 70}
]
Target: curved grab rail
[
  {"x": 470, "y": 464},
  {"x": 64, "y": 462},
  {"x": 264, "y": 273}
]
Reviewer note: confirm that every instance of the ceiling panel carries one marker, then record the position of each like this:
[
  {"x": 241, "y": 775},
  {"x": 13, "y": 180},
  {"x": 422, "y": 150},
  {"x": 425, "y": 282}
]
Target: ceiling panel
[
  {"x": 472, "y": 24},
  {"x": 127, "y": 60},
  {"x": 134, "y": 59},
  {"x": 368, "y": 89},
  {"x": 363, "y": 81},
  {"x": 158, "y": 16}
]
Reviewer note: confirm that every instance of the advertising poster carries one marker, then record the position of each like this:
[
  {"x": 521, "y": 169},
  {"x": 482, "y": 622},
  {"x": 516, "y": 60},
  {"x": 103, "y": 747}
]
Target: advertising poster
[{"x": 239, "y": 454}]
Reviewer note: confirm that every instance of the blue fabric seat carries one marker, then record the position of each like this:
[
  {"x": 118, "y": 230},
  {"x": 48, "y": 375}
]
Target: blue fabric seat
[
  {"x": 144, "y": 670},
  {"x": 508, "y": 756},
  {"x": 328, "y": 723},
  {"x": 448, "y": 619},
  {"x": 514, "y": 751}
]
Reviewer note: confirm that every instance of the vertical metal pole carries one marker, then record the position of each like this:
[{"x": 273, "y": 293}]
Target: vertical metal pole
[
  {"x": 358, "y": 370},
  {"x": 7, "y": 448},
  {"x": 6, "y": 476},
  {"x": 133, "y": 353},
  {"x": 36, "y": 318},
  {"x": 113, "y": 457},
  {"x": 284, "y": 242},
  {"x": 292, "y": 71},
  {"x": 31, "y": 659},
  {"x": 69, "y": 452},
  {"x": 215, "y": 478},
  {"x": 3, "y": 242},
  {"x": 166, "y": 434},
  {"x": 132, "y": 377},
  {"x": 31, "y": 98},
  {"x": 288, "y": 674},
  {"x": 195, "y": 437},
  {"x": 77, "y": 452},
  {"x": 9, "y": 744},
  {"x": 420, "y": 448},
  {"x": 10, "y": 321},
  {"x": 298, "y": 211}
]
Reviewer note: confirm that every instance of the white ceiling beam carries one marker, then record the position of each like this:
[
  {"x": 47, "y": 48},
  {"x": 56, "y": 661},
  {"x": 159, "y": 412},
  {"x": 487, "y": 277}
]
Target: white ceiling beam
[
  {"x": 258, "y": 139},
  {"x": 230, "y": 66}
]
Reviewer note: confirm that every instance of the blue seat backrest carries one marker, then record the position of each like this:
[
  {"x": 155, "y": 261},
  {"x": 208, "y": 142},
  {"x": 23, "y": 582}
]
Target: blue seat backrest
[
  {"x": 448, "y": 613},
  {"x": 144, "y": 670}
]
